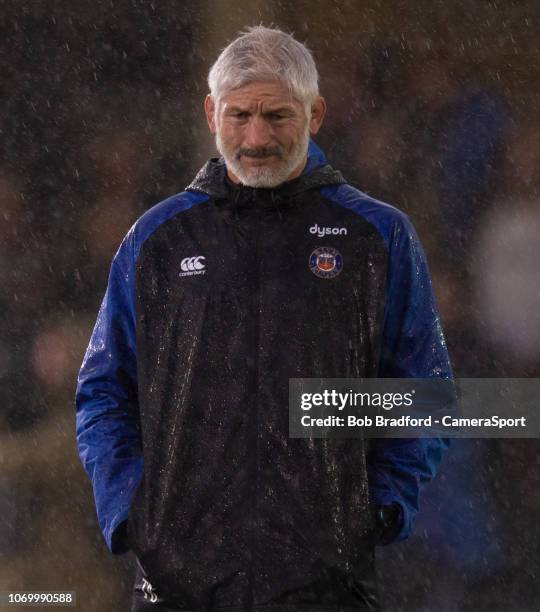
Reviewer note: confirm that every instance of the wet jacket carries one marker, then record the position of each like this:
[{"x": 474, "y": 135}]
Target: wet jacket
[{"x": 216, "y": 297}]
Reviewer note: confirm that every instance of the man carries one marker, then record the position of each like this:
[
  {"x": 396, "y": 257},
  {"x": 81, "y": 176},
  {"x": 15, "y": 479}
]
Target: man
[{"x": 216, "y": 297}]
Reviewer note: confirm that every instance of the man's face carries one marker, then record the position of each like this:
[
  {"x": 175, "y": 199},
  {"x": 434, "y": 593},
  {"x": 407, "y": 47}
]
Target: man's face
[{"x": 262, "y": 132}]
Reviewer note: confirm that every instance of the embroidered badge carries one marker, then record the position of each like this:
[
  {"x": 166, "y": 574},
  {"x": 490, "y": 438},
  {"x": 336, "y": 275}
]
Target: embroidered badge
[{"x": 326, "y": 262}]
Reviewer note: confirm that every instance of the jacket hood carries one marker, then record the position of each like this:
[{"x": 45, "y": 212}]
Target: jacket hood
[{"x": 211, "y": 178}]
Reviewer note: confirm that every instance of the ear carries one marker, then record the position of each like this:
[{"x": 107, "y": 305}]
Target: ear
[
  {"x": 210, "y": 111},
  {"x": 318, "y": 111}
]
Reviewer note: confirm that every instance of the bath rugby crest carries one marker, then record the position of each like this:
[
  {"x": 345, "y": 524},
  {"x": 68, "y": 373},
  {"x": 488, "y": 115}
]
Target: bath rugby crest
[{"x": 326, "y": 262}]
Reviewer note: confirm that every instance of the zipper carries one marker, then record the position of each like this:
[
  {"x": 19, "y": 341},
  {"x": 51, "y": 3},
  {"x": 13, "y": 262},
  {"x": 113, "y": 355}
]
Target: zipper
[{"x": 256, "y": 302}]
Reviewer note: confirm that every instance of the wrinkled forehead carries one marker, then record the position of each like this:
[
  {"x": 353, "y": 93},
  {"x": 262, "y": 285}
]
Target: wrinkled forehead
[{"x": 272, "y": 92}]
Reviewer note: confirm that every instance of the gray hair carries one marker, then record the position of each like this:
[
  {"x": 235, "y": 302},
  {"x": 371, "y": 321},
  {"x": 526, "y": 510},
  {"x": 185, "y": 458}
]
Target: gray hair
[{"x": 265, "y": 54}]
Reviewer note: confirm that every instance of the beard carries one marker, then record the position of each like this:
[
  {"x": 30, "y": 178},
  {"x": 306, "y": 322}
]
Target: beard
[{"x": 264, "y": 176}]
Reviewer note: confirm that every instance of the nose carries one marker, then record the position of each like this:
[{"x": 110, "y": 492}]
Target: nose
[{"x": 258, "y": 133}]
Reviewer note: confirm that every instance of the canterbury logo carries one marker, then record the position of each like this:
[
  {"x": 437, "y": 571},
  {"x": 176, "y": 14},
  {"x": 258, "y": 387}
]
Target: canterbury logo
[
  {"x": 149, "y": 591},
  {"x": 192, "y": 265}
]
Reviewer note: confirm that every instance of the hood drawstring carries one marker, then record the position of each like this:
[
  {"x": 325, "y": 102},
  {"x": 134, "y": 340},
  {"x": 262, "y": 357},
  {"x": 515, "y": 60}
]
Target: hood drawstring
[
  {"x": 242, "y": 196},
  {"x": 235, "y": 201},
  {"x": 276, "y": 201}
]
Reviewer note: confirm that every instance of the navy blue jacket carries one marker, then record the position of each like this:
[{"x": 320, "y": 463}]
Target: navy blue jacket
[{"x": 216, "y": 297}]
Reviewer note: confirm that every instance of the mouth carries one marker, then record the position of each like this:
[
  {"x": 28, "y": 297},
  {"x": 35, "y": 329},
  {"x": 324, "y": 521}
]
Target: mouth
[
  {"x": 255, "y": 156},
  {"x": 258, "y": 160}
]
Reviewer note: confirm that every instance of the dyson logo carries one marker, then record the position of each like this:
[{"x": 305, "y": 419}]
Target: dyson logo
[{"x": 327, "y": 231}]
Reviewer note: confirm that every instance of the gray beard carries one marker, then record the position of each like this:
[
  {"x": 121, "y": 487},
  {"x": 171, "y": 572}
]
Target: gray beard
[{"x": 265, "y": 177}]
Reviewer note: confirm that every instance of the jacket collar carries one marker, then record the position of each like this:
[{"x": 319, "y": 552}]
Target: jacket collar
[{"x": 317, "y": 173}]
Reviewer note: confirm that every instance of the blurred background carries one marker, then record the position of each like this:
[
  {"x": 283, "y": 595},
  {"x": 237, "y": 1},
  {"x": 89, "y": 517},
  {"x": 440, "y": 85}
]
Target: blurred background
[{"x": 433, "y": 107}]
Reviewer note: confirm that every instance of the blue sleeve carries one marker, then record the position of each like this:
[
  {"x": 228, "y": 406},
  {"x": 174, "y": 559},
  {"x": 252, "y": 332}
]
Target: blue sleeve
[
  {"x": 107, "y": 419},
  {"x": 413, "y": 347}
]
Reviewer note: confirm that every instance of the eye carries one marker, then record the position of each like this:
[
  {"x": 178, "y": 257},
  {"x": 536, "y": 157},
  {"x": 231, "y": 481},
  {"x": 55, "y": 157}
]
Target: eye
[
  {"x": 275, "y": 116},
  {"x": 241, "y": 115}
]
